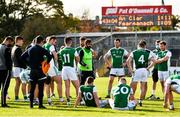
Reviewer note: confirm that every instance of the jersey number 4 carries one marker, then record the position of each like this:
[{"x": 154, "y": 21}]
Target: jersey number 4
[{"x": 141, "y": 59}]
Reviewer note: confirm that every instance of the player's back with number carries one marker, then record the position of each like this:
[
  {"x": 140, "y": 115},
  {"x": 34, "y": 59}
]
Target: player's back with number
[
  {"x": 141, "y": 58},
  {"x": 87, "y": 95},
  {"x": 121, "y": 95},
  {"x": 68, "y": 55}
]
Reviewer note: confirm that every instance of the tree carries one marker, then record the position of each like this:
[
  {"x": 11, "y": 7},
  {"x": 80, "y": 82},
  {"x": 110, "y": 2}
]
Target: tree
[
  {"x": 175, "y": 22},
  {"x": 14, "y": 13}
]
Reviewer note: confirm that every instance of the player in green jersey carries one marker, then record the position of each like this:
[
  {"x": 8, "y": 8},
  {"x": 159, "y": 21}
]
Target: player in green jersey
[
  {"x": 155, "y": 72},
  {"x": 140, "y": 58},
  {"x": 53, "y": 71},
  {"x": 117, "y": 63},
  {"x": 122, "y": 97},
  {"x": 88, "y": 93},
  {"x": 68, "y": 56},
  {"x": 172, "y": 84},
  {"x": 163, "y": 63}
]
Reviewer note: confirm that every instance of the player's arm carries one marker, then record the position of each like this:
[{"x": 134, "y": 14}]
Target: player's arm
[
  {"x": 24, "y": 57},
  {"x": 81, "y": 55},
  {"x": 126, "y": 55},
  {"x": 54, "y": 53},
  {"x": 94, "y": 53},
  {"x": 152, "y": 58},
  {"x": 162, "y": 60},
  {"x": 46, "y": 53},
  {"x": 96, "y": 99},
  {"x": 78, "y": 99},
  {"x": 129, "y": 64},
  {"x": 106, "y": 59},
  {"x": 166, "y": 58},
  {"x": 77, "y": 58},
  {"x": 152, "y": 63}
]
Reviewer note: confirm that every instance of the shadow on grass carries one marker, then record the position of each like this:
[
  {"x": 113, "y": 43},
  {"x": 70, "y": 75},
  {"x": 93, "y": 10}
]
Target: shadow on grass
[{"x": 149, "y": 110}]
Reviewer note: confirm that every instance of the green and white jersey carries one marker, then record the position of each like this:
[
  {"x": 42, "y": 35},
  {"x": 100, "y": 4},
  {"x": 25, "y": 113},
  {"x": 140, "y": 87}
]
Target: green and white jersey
[
  {"x": 49, "y": 47},
  {"x": 141, "y": 57},
  {"x": 121, "y": 95},
  {"x": 117, "y": 55},
  {"x": 175, "y": 79},
  {"x": 87, "y": 94},
  {"x": 78, "y": 49},
  {"x": 164, "y": 66},
  {"x": 156, "y": 51},
  {"x": 67, "y": 56}
]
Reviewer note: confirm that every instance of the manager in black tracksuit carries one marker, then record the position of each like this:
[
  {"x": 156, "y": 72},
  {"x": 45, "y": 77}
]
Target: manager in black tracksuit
[
  {"x": 5, "y": 68},
  {"x": 34, "y": 56}
]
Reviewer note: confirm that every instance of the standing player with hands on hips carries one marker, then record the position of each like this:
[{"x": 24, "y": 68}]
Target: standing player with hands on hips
[
  {"x": 140, "y": 58},
  {"x": 117, "y": 64}
]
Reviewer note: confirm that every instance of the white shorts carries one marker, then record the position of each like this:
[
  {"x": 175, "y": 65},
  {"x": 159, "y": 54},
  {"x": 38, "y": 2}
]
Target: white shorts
[
  {"x": 69, "y": 73},
  {"x": 16, "y": 71},
  {"x": 175, "y": 84},
  {"x": 78, "y": 72},
  {"x": 163, "y": 75},
  {"x": 140, "y": 75},
  {"x": 131, "y": 105},
  {"x": 25, "y": 76},
  {"x": 53, "y": 71},
  {"x": 117, "y": 72}
]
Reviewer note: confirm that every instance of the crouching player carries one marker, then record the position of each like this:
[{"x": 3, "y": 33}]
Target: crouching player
[
  {"x": 171, "y": 84},
  {"x": 122, "y": 97},
  {"x": 88, "y": 94}
]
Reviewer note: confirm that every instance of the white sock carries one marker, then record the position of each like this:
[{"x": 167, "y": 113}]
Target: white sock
[
  {"x": 171, "y": 106},
  {"x": 49, "y": 99},
  {"x": 153, "y": 92}
]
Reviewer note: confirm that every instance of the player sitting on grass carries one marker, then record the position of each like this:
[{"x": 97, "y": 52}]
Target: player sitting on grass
[
  {"x": 121, "y": 94},
  {"x": 88, "y": 93},
  {"x": 171, "y": 84}
]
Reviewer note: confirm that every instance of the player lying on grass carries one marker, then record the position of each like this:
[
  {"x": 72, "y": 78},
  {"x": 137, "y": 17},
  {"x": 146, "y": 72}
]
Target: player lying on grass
[
  {"x": 122, "y": 97},
  {"x": 172, "y": 84},
  {"x": 88, "y": 93}
]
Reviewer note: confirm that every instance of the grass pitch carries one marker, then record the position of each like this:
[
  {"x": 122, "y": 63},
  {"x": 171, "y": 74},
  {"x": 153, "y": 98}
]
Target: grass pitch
[{"x": 150, "y": 108}]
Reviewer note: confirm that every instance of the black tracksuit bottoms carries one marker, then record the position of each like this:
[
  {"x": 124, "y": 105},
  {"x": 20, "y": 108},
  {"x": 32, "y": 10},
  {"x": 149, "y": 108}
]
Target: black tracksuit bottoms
[
  {"x": 36, "y": 77},
  {"x": 5, "y": 76}
]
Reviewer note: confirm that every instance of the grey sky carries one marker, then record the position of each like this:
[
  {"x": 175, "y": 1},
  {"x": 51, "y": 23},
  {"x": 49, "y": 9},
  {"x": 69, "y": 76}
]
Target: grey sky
[{"x": 77, "y": 7}]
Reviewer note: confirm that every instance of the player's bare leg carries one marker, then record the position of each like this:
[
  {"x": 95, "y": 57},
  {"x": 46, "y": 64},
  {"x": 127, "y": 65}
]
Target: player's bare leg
[
  {"x": 58, "y": 81},
  {"x": 52, "y": 88},
  {"x": 133, "y": 86},
  {"x": 48, "y": 94},
  {"x": 171, "y": 105},
  {"x": 162, "y": 85},
  {"x": 16, "y": 89},
  {"x": 143, "y": 87},
  {"x": 76, "y": 85},
  {"x": 24, "y": 91},
  {"x": 111, "y": 80},
  {"x": 67, "y": 91}
]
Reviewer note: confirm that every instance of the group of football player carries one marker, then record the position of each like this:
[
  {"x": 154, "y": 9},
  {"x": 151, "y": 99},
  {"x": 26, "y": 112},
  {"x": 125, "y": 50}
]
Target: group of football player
[{"x": 41, "y": 64}]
